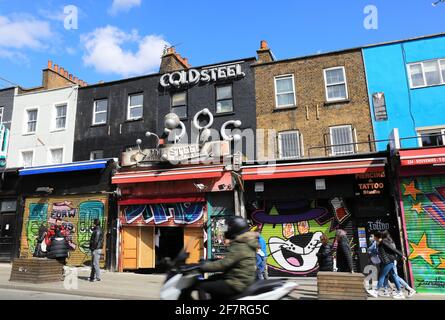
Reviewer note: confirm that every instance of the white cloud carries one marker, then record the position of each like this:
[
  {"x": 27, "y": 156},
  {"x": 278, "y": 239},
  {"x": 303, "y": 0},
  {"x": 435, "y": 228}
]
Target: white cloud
[
  {"x": 105, "y": 51},
  {"x": 24, "y": 31},
  {"x": 123, "y": 5}
]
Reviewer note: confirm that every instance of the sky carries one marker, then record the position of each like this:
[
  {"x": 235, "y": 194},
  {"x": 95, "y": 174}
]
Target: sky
[{"x": 105, "y": 40}]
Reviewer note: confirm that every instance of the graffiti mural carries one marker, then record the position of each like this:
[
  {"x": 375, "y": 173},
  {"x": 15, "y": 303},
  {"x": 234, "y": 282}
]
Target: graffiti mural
[
  {"x": 164, "y": 214},
  {"x": 77, "y": 215},
  {"x": 292, "y": 230},
  {"x": 424, "y": 209}
]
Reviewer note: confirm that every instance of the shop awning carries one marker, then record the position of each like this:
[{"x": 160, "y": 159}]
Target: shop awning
[
  {"x": 422, "y": 156},
  {"x": 313, "y": 169},
  {"x": 74, "y": 166},
  {"x": 189, "y": 173}
]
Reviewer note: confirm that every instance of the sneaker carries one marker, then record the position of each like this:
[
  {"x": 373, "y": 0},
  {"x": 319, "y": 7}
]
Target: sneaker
[
  {"x": 373, "y": 293},
  {"x": 399, "y": 295},
  {"x": 411, "y": 293},
  {"x": 384, "y": 293},
  {"x": 93, "y": 280},
  {"x": 98, "y": 280}
]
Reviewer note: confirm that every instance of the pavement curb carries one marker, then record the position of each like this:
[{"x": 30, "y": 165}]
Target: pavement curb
[{"x": 76, "y": 292}]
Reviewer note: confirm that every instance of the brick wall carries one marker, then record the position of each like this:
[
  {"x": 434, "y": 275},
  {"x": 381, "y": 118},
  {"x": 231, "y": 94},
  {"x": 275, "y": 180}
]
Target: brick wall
[{"x": 311, "y": 115}]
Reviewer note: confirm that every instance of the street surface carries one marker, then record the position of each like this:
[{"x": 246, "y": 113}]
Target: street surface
[{"x": 13, "y": 294}]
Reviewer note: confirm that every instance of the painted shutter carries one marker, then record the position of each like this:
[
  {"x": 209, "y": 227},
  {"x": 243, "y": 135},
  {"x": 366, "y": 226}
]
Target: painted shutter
[{"x": 424, "y": 210}]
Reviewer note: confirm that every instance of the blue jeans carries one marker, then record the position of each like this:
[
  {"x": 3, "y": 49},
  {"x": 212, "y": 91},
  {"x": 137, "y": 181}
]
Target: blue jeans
[
  {"x": 95, "y": 268},
  {"x": 388, "y": 270},
  {"x": 403, "y": 283}
]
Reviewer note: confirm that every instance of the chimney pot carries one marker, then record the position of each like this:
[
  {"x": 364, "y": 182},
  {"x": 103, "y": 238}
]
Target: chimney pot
[
  {"x": 76, "y": 79},
  {"x": 171, "y": 50},
  {"x": 62, "y": 71},
  {"x": 56, "y": 68},
  {"x": 50, "y": 64},
  {"x": 66, "y": 74},
  {"x": 71, "y": 77},
  {"x": 263, "y": 45}
]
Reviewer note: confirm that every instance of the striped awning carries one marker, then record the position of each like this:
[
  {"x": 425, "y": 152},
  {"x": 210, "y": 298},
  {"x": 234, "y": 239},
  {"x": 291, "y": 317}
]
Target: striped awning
[
  {"x": 66, "y": 167},
  {"x": 313, "y": 169},
  {"x": 422, "y": 156},
  {"x": 186, "y": 173}
]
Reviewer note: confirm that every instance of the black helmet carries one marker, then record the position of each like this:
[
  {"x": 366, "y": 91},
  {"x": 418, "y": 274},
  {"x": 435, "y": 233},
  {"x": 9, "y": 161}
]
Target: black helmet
[{"x": 235, "y": 227}]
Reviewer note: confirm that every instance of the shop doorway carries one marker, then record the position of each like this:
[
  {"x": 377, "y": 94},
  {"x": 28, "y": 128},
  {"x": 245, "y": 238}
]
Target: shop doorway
[
  {"x": 7, "y": 229},
  {"x": 169, "y": 241}
]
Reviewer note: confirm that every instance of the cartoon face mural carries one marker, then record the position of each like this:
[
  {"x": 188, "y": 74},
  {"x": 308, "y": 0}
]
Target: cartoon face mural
[
  {"x": 292, "y": 230},
  {"x": 76, "y": 213},
  {"x": 424, "y": 210}
]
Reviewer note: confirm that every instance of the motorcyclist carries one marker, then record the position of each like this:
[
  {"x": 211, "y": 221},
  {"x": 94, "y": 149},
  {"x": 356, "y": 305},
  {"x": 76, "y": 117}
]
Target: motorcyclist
[{"x": 238, "y": 267}]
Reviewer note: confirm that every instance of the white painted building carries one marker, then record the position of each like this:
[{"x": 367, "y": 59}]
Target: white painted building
[{"x": 42, "y": 128}]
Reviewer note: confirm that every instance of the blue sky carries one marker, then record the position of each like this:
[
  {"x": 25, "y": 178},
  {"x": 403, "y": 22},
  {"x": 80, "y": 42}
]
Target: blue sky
[{"x": 121, "y": 38}]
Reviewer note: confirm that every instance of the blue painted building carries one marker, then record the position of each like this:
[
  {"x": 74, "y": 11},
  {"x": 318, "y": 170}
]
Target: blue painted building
[{"x": 406, "y": 87}]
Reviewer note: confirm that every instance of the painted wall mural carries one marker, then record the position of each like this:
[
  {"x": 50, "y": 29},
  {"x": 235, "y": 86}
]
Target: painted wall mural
[
  {"x": 292, "y": 231},
  {"x": 164, "y": 214},
  {"x": 77, "y": 214},
  {"x": 424, "y": 209}
]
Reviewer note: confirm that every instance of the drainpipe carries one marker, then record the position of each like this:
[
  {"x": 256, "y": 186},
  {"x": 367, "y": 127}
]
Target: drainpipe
[{"x": 236, "y": 199}]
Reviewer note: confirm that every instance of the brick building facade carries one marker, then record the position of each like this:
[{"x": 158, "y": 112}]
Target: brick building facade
[{"x": 311, "y": 112}]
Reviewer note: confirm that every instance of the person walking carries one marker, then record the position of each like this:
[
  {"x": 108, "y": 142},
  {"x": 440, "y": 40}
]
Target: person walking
[
  {"x": 260, "y": 263},
  {"x": 388, "y": 254},
  {"x": 324, "y": 255},
  {"x": 403, "y": 283},
  {"x": 96, "y": 244},
  {"x": 344, "y": 255},
  {"x": 58, "y": 248}
]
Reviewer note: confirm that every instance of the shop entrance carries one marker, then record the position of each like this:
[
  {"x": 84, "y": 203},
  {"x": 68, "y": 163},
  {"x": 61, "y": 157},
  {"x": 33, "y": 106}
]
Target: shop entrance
[{"x": 169, "y": 241}]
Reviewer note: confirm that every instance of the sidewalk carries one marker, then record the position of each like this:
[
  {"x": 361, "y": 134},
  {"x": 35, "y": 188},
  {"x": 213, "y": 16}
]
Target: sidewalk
[
  {"x": 128, "y": 285},
  {"x": 114, "y": 285}
]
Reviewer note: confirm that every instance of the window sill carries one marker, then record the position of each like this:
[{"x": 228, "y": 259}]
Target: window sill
[
  {"x": 57, "y": 130},
  {"x": 28, "y": 134},
  {"x": 342, "y": 101},
  {"x": 133, "y": 120},
  {"x": 230, "y": 113},
  {"x": 427, "y": 86},
  {"x": 284, "y": 108},
  {"x": 99, "y": 125}
]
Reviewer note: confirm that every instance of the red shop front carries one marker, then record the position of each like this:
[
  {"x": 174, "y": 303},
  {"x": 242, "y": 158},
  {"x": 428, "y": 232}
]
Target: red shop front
[{"x": 162, "y": 211}]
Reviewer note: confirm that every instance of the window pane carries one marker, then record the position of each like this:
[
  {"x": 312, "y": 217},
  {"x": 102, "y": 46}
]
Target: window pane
[
  {"x": 60, "y": 123},
  {"x": 431, "y": 139},
  {"x": 224, "y": 106},
  {"x": 101, "y": 117},
  {"x": 101, "y": 105},
  {"x": 334, "y": 76},
  {"x": 337, "y": 92},
  {"x": 32, "y": 126},
  {"x": 61, "y": 111},
  {"x": 341, "y": 140},
  {"x": 136, "y": 113},
  {"x": 180, "y": 111},
  {"x": 285, "y": 99},
  {"x": 284, "y": 85},
  {"x": 97, "y": 154},
  {"x": 136, "y": 100},
  {"x": 179, "y": 99},
  {"x": 432, "y": 73},
  {"x": 32, "y": 115},
  {"x": 416, "y": 75},
  {"x": 224, "y": 92},
  {"x": 56, "y": 156},
  {"x": 27, "y": 158},
  {"x": 289, "y": 145}
]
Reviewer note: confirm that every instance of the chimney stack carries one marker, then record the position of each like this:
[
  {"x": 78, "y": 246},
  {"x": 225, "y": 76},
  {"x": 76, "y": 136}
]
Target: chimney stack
[
  {"x": 264, "y": 53},
  {"x": 59, "y": 77},
  {"x": 172, "y": 61}
]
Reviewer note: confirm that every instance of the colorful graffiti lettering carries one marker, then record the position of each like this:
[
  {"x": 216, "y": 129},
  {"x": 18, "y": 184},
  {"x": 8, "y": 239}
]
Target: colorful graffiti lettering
[
  {"x": 292, "y": 230},
  {"x": 77, "y": 215},
  {"x": 180, "y": 213},
  {"x": 424, "y": 209}
]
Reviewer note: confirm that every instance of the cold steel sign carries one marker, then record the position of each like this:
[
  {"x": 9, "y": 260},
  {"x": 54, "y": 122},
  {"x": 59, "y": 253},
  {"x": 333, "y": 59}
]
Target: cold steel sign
[{"x": 194, "y": 76}]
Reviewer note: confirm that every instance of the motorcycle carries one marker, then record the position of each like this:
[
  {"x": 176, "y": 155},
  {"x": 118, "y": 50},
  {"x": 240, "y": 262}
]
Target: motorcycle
[{"x": 182, "y": 278}]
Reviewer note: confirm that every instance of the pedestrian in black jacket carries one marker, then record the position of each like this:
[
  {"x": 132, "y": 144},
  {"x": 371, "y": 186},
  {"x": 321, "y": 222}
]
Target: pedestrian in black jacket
[
  {"x": 388, "y": 254},
  {"x": 344, "y": 255},
  {"x": 96, "y": 244},
  {"x": 324, "y": 255}
]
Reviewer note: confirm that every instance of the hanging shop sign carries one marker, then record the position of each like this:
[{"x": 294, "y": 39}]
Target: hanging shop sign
[
  {"x": 370, "y": 183},
  {"x": 194, "y": 76}
]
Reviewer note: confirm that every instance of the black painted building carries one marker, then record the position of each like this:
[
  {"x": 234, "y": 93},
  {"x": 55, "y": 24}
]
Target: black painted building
[
  {"x": 6, "y": 105},
  {"x": 112, "y": 116}
]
